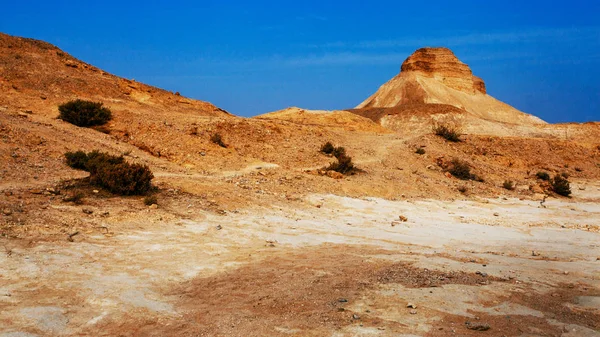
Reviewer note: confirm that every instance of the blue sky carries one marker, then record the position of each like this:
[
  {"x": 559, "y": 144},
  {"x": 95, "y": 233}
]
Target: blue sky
[{"x": 542, "y": 57}]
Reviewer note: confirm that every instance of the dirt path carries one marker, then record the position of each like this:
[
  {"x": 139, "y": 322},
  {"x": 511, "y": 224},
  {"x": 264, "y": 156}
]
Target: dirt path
[{"x": 337, "y": 267}]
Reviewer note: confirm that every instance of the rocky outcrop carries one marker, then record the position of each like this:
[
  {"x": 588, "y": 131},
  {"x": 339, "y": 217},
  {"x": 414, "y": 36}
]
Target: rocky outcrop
[
  {"x": 444, "y": 66},
  {"x": 435, "y": 77}
]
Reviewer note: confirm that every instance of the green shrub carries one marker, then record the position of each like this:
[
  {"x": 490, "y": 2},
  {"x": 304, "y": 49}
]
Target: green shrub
[
  {"x": 461, "y": 169},
  {"x": 561, "y": 186},
  {"x": 447, "y": 132},
  {"x": 327, "y": 148},
  {"x": 217, "y": 139},
  {"x": 112, "y": 172},
  {"x": 509, "y": 185},
  {"x": 84, "y": 113},
  {"x": 543, "y": 175},
  {"x": 420, "y": 151}
]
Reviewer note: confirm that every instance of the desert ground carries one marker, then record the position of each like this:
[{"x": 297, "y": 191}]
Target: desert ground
[{"x": 257, "y": 239}]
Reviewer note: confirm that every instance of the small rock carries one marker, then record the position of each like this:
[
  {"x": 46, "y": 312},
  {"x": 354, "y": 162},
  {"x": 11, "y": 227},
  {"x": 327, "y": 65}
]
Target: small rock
[
  {"x": 355, "y": 316},
  {"x": 7, "y": 211},
  {"x": 342, "y": 300},
  {"x": 411, "y": 305},
  {"x": 477, "y": 326},
  {"x": 334, "y": 174},
  {"x": 203, "y": 153},
  {"x": 496, "y": 214},
  {"x": 403, "y": 218},
  {"x": 413, "y": 312},
  {"x": 87, "y": 210},
  {"x": 153, "y": 206},
  {"x": 219, "y": 227},
  {"x": 566, "y": 272},
  {"x": 36, "y": 191},
  {"x": 96, "y": 191}
]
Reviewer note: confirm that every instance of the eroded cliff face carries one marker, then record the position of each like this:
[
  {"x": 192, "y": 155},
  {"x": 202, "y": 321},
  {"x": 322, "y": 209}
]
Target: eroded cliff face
[{"x": 444, "y": 66}]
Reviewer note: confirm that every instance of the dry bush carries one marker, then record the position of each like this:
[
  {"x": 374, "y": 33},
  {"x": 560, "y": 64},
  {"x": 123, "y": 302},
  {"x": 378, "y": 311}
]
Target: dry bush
[
  {"x": 560, "y": 185},
  {"x": 84, "y": 113},
  {"x": 112, "y": 172},
  {"x": 217, "y": 139},
  {"x": 449, "y": 128},
  {"x": 543, "y": 175},
  {"x": 509, "y": 185},
  {"x": 327, "y": 148},
  {"x": 461, "y": 169}
]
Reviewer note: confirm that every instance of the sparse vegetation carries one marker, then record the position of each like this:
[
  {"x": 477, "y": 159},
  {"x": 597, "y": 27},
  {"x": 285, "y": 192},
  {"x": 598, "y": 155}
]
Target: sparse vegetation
[
  {"x": 151, "y": 200},
  {"x": 344, "y": 165},
  {"x": 447, "y": 132},
  {"x": 509, "y": 185},
  {"x": 543, "y": 175},
  {"x": 112, "y": 172},
  {"x": 560, "y": 185},
  {"x": 461, "y": 169},
  {"x": 327, "y": 148},
  {"x": 84, "y": 113},
  {"x": 216, "y": 138},
  {"x": 420, "y": 151},
  {"x": 339, "y": 152}
]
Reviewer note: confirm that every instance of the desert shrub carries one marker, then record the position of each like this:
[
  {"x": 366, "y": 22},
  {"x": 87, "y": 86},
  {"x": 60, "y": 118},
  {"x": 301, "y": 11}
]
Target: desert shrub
[
  {"x": 150, "y": 200},
  {"x": 112, "y": 172},
  {"x": 561, "y": 186},
  {"x": 447, "y": 132},
  {"x": 327, "y": 148},
  {"x": 84, "y": 113},
  {"x": 543, "y": 175},
  {"x": 344, "y": 165},
  {"x": 461, "y": 169},
  {"x": 217, "y": 139},
  {"x": 509, "y": 185},
  {"x": 339, "y": 152},
  {"x": 420, "y": 151},
  {"x": 77, "y": 160},
  {"x": 123, "y": 178}
]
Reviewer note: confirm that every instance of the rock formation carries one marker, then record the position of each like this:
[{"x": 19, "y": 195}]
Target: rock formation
[{"x": 432, "y": 77}]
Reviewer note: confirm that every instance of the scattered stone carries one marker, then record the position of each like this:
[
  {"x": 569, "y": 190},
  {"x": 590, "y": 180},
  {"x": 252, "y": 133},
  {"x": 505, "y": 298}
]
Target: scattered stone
[
  {"x": 355, "y": 316},
  {"x": 153, "y": 206},
  {"x": 413, "y": 312},
  {"x": 334, "y": 174},
  {"x": 87, "y": 210},
  {"x": 203, "y": 153},
  {"x": 96, "y": 191},
  {"x": 219, "y": 227},
  {"x": 36, "y": 191},
  {"x": 411, "y": 305},
  {"x": 342, "y": 300},
  {"x": 481, "y": 273},
  {"x": 403, "y": 218},
  {"x": 566, "y": 272},
  {"x": 6, "y": 211},
  {"x": 477, "y": 326},
  {"x": 496, "y": 214}
]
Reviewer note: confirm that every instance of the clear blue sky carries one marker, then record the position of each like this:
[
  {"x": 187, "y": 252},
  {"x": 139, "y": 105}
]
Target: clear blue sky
[{"x": 252, "y": 57}]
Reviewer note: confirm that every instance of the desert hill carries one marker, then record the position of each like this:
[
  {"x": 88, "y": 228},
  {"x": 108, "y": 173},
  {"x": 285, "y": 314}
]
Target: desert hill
[{"x": 431, "y": 80}]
